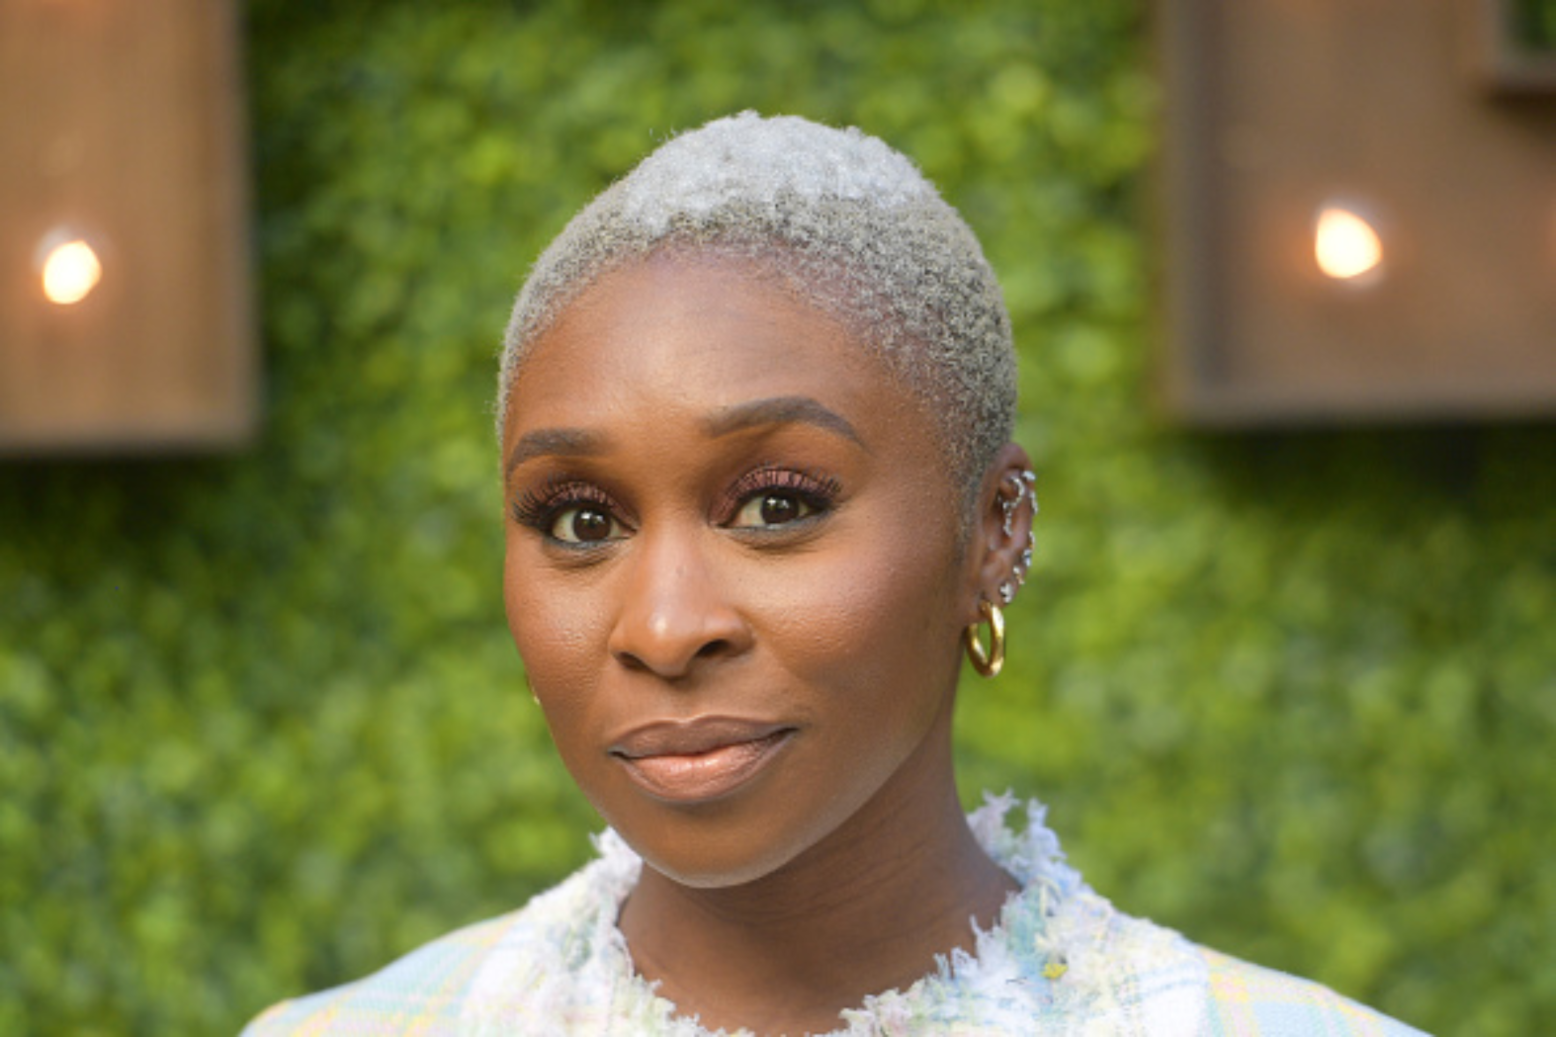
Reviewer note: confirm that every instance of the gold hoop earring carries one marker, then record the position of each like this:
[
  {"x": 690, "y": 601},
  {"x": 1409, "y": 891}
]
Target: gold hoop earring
[{"x": 986, "y": 661}]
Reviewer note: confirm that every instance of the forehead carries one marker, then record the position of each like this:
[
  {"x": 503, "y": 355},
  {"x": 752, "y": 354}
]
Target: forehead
[{"x": 699, "y": 332}]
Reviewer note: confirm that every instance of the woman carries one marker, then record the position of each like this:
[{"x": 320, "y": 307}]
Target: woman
[{"x": 755, "y": 411}]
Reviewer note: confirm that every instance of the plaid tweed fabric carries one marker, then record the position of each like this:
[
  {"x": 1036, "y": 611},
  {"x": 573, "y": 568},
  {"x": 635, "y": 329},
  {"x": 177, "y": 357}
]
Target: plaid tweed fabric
[{"x": 1061, "y": 961}]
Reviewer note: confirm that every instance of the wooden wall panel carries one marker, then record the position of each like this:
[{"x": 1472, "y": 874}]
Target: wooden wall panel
[
  {"x": 1276, "y": 107},
  {"x": 124, "y": 122}
]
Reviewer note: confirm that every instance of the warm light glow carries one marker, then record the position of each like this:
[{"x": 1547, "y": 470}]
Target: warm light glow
[
  {"x": 70, "y": 272},
  {"x": 1345, "y": 245}
]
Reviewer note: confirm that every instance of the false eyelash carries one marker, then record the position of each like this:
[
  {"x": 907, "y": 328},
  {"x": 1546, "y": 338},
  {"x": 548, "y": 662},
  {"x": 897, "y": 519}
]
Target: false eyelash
[
  {"x": 539, "y": 508},
  {"x": 817, "y": 491}
]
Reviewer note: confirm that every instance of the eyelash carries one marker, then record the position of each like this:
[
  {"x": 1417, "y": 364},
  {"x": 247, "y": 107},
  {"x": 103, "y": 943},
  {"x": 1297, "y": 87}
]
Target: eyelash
[
  {"x": 540, "y": 508},
  {"x": 818, "y": 494}
]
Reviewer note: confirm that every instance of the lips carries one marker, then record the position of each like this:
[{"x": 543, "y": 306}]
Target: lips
[{"x": 699, "y": 760}]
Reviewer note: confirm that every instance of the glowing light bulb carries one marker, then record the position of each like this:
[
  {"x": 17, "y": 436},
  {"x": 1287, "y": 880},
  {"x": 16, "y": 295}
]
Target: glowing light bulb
[
  {"x": 70, "y": 271},
  {"x": 1345, "y": 245}
]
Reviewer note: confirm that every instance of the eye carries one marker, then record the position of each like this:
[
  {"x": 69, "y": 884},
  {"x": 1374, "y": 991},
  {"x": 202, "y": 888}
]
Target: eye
[
  {"x": 575, "y": 514},
  {"x": 772, "y": 508},
  {"x": 770, "y": 497},
  {"x": 584, "y": 524}
]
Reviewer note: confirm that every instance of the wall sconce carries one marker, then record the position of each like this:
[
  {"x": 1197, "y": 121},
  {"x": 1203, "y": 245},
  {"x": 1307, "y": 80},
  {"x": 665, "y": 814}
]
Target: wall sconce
[
  {"x": 1346, "y": 246},
  {"x": 1360, "y": 211},
  {"x": 125, "y": 312},
  {"x": 68, "y": 267}
]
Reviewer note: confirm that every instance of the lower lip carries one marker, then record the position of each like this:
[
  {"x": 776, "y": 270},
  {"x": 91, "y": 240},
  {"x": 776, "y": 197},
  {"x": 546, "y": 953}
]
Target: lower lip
[{"x": 705, "y": 776}]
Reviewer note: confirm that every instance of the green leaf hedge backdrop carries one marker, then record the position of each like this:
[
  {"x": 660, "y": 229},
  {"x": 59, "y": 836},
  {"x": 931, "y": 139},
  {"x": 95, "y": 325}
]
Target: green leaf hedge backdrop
[{"x": 261, "y": 726}]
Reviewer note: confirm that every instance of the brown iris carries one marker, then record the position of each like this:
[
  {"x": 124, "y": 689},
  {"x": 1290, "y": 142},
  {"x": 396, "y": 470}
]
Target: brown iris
[
  {"x": 779, "y": 508},
  {"x": 591, "y": 525}
]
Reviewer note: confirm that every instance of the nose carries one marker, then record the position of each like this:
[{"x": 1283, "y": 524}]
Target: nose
[{"x": 674, "y": 611}]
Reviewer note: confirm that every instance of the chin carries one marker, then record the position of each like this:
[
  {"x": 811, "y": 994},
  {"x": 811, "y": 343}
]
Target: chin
[
  {"x": 708, "y": 849},
  {"x": 703, "y": 877}
]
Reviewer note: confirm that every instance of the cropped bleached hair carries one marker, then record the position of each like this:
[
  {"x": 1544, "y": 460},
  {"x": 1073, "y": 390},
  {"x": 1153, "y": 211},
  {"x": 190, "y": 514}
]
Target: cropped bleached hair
[{"x": 839, "y": 220}]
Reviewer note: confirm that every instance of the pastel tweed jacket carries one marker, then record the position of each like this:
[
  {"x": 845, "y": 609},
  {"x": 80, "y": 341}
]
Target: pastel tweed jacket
[{"x": 1061, "y": 961}]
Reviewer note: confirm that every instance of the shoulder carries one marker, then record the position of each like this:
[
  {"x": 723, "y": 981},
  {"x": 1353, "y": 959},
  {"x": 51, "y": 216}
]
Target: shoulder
[
  {"x": 1148, "y": 979},
  {"x": 1250, "y": 1000},
  {"x": 428, "y": 990},
  {"x": 1086, "y": 966},
  {"x": 421, "y": 989}
]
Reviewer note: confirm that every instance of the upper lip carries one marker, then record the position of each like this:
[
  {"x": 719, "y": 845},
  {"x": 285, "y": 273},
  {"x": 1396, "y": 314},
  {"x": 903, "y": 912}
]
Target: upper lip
[{"x": 692, "y": 737}]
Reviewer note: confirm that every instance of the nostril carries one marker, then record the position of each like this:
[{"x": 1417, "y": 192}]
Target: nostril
[
  {"x": 630, "y": 661},
  {"x": 673, "y": 665}
]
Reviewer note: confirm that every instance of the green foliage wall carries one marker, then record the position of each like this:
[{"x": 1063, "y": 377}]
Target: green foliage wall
[
  {"x": 261, "y": 728},
  {"x": 1534, "y": 23}
]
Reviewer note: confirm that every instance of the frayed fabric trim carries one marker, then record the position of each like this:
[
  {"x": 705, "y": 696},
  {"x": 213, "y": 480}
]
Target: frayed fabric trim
[{"x": 1059, "y": 960}]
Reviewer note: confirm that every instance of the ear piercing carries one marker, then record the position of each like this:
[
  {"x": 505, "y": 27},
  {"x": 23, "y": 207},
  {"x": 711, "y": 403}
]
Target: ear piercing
[
  {"x": 1021, "y": 487},
  {"x": 1012, "y": 492},
  {"x": 986, "y": 661}
]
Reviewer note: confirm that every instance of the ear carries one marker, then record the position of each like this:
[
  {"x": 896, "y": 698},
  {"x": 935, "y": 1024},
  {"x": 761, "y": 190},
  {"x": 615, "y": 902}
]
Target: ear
[{"x": 1001, "y": 533}]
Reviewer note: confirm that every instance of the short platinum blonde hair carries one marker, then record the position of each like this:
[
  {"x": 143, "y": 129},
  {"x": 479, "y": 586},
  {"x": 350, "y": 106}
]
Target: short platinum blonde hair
[{"x": 843, "y": 223}]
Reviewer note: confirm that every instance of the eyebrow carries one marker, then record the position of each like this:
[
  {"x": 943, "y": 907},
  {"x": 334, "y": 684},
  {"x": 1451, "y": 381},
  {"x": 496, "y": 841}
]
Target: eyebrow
[
  {"x": 780, "y": 410},
  {"x": 776, "y": 410},
  {"x": 557, "y": 442}
]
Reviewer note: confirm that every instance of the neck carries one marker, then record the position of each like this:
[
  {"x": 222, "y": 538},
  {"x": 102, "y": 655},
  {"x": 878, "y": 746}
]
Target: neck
[{"x": 865, "y": 910}]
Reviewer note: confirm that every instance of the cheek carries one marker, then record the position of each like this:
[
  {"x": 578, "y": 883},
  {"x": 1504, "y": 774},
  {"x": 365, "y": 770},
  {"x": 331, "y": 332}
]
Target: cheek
[
  {"x": 555, "y": 654},
  {"x": 876, "y": 622},
  {"x": 554, "y": 631}
]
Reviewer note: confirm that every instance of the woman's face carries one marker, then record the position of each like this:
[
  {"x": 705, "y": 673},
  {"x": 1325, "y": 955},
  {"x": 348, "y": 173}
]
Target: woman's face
[{"x": 733, "y": 568}]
